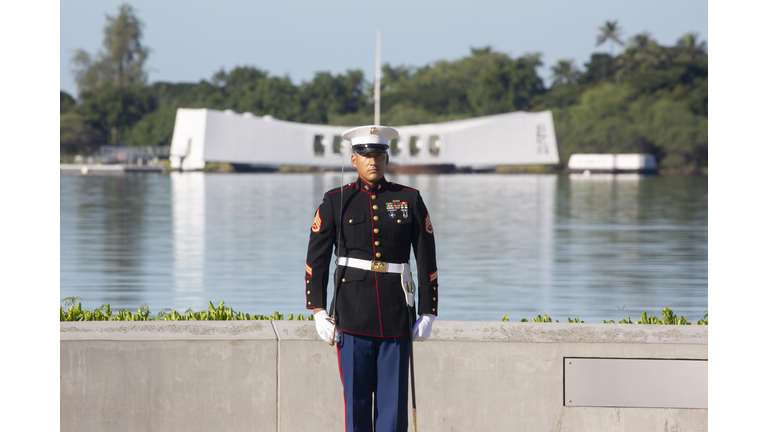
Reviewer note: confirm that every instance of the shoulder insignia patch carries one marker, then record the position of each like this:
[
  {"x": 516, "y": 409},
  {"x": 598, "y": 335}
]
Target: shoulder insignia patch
[
  {"x": 308, "y": 269},
  {"x": 428, "y": 225},
  {"x": 432, "y": 277},
  {"x": 317, "y": 223}
]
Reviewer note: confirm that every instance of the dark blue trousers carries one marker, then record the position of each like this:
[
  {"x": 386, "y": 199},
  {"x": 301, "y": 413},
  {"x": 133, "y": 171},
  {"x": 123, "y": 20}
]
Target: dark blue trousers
[{"x": 374, "y": 368}]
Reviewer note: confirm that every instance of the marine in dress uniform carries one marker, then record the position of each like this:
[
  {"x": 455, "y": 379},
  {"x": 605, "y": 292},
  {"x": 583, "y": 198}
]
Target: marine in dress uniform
[{"x": 379, "y": 223}]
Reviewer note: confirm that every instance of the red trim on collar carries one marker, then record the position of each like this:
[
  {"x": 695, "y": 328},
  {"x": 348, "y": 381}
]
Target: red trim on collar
[{"x": 383, "y": 183}]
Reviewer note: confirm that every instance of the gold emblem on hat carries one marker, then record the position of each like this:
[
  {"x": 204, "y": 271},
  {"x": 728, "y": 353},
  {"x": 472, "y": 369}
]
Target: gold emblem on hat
[{"x": 374, "y": 130}]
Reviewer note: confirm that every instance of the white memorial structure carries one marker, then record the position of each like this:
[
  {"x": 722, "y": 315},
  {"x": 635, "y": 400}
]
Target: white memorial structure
[{"x": 249, "y": 141}]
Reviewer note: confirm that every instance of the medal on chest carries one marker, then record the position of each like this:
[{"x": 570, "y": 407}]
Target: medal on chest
[{"x": 394, "y": 206}]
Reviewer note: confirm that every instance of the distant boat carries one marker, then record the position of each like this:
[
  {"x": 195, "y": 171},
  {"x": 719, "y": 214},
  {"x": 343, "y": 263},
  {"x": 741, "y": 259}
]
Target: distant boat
[{"x": 612, "y": 163}]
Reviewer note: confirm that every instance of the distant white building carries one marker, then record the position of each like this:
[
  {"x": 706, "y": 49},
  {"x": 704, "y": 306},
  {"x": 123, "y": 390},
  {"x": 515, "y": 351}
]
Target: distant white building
[
  {"x": 612, "y": 162},
  {"x": 203, "y": 135}
]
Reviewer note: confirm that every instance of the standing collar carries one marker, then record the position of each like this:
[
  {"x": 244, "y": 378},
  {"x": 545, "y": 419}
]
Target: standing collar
[{"x": 364, "y": 186}]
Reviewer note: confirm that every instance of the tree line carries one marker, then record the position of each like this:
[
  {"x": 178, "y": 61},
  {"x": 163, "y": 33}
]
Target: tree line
[{"x": 647, "y": 98}]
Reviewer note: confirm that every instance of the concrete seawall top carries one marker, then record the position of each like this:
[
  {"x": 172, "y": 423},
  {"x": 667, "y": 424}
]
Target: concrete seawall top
[{"x": 442, "y": 331}]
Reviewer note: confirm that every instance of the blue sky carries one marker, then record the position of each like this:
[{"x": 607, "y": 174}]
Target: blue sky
[{"x": 190, "y": 40}]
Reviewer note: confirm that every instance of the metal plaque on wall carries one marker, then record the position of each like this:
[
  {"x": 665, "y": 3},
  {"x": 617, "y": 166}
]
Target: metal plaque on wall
[{"x": 641, "y": 383}]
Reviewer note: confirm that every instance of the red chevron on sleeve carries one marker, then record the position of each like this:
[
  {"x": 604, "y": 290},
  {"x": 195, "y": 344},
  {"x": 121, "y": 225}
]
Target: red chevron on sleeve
[
  {"x": 308, "y": 269},
  {"x": 317, "y": 223}
]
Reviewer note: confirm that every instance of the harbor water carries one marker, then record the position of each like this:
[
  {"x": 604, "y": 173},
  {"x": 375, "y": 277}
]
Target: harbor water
[{"x": 593, "y": 247}]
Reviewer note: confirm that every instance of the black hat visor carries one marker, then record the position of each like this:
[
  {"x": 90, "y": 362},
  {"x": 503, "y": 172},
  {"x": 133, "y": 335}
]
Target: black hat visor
[{"x": 371, "y": 148}]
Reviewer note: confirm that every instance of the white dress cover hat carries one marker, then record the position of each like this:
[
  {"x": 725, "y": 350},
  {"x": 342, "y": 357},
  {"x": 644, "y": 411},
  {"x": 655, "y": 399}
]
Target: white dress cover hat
[{"x": 370, "y": 139}]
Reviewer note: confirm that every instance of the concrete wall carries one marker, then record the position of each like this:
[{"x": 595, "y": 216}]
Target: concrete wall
[{"x": 262, "y": 376}]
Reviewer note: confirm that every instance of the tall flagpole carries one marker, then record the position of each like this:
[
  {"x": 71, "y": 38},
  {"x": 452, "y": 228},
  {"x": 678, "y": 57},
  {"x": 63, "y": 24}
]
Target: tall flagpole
[{"x": 377, "y": 83}]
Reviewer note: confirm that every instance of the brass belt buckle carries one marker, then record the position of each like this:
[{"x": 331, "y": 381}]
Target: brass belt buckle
[{"x": 379, "y": 266}]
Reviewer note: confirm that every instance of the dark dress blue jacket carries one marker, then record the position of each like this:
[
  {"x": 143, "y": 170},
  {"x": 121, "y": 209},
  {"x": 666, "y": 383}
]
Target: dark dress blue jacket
[{"x": 379, "y": 222}]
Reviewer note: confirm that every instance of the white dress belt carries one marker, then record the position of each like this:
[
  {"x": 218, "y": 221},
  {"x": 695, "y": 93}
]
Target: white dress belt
[{"x": 377, "y": 266}]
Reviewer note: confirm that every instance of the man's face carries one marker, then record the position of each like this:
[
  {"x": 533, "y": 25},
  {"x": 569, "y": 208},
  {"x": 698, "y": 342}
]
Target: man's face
[{"x": 370, "y": 166}]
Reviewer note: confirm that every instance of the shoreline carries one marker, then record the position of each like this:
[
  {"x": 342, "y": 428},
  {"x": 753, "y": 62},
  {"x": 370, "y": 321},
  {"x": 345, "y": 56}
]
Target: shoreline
[
  {"x": 220, "y": 167},
  {"x": 507, "y": 169},
  {"x": 503, "y": 169}
]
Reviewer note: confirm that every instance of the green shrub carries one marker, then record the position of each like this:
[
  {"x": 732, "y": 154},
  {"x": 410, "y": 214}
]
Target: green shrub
[
  {"x": 668, "y": 317},
  {"x": 74, "y": 312}
]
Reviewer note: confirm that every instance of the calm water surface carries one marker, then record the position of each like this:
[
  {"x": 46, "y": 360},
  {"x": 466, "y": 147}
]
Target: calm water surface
[{"x": 523, "y": 245}]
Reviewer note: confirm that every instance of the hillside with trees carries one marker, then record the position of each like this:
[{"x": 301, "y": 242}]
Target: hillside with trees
[{"x": 648, "y": 98}]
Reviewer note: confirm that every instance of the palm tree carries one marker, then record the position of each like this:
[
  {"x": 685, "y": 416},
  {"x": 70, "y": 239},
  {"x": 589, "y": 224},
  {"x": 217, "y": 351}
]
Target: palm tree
[
  {"x": 636, "y": 53},
  {"x": 564, "y": 72},
  {"x": 610, "y": 31},
  {"x": 690, "y": 48},
  {"x": 642, "y": 53},
  {"x": 640, "y": 41},
  {"x": 646, "y": 53}
]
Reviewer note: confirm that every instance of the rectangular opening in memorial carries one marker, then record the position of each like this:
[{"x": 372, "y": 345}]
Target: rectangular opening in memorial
[
  {"x": 415, "y": 145},
  {"x": 318, "y": 145},
  {"x": 435, "y": 144},
  {"x": 394, "y": 147}
]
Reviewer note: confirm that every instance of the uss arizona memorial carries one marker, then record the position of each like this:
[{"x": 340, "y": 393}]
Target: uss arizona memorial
[{"x": 250, "y": 142}]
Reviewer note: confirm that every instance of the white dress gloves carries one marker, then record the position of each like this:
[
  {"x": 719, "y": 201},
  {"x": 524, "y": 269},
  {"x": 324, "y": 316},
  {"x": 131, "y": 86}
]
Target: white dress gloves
[
  {"x": 423, "y": 327},
  {"x": 324, "y": 327}
]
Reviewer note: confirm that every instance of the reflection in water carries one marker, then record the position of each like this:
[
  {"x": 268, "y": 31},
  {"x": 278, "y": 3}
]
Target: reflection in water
[
  {"x": 113, "y": 229},
  {"x": 494, "y": 241},
  {"x": 634, "y": 243},
  {"x": 188, "y": 196},
  {"x": 507, "y": 244}
]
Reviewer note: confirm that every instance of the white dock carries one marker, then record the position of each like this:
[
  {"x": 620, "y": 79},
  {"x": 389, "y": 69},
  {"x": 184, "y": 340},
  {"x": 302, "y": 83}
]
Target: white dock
[{"x": 611, "y": 163}]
